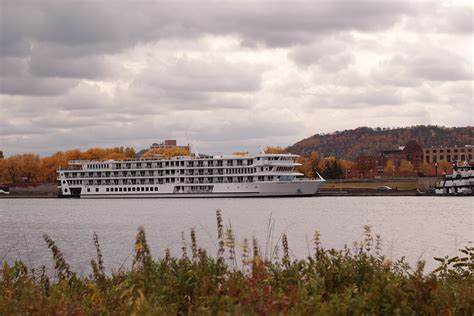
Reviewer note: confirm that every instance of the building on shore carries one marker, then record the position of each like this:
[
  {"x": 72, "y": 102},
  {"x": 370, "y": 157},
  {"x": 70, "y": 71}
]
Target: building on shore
[
  {"x": 428, "y": 161},
  {"x": 454, "y": 154},
  {"x": 169, "y": 143},
  {"x": 389, "y": 162}
]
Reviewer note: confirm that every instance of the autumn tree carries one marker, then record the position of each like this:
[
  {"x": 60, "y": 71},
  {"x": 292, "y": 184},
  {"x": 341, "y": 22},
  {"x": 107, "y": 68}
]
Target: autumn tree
[
  {"x": 241, "y": 153},
  {"x": 389, "y": 168},
  {"x": 406, "y": 166},
  {"x": 3, "y": 171},
  {"x": 445, "y": 166},
  {"x": 166, "y": 152},
  {"x": 275, "y": 150},
  {"x": 311, "y": 165},
  {"x": 30, "y": 167},
  {"x": 21, "y": 167},
  {"x": 332, "y": 169},
  {"x": 108, "y": 153},
  {"x": 424, "y": 169}
]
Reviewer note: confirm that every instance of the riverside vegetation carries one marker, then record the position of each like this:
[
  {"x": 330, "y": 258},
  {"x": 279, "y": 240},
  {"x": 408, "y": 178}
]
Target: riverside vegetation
[{"x": 239, "y": 279}]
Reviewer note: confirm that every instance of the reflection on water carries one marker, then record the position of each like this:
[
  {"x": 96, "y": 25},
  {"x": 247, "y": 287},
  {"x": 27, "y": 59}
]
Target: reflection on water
[{"x": 415, "y": 227}]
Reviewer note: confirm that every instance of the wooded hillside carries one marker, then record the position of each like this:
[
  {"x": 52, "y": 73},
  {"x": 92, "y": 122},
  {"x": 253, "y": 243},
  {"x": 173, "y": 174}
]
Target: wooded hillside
[{"x": 348, "y": 144}]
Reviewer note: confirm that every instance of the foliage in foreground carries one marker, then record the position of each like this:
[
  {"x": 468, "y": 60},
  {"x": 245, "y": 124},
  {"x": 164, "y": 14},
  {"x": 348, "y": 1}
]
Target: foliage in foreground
[{"x": 358, "y": 280}]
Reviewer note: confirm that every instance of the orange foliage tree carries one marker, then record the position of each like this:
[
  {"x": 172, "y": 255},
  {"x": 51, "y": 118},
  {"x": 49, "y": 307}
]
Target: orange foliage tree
[
  {"x": 444, "y": 167},
  {"x": 21, "y": 168},
  {"x": 406, "y": 166},
  {"x": 311, "y": 165},
  {"x": 275, "y": 150},
  {"x": 424, "y": 169},
  {"x": 166, "y": 152},
  {"x": 30, "y": 168},
  {"x": 241, "y": 153},
  {"x": 389, "y": 168}
]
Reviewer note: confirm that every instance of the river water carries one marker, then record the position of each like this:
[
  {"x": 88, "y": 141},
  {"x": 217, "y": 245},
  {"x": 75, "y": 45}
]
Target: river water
[{"x": 414, "y": 227}]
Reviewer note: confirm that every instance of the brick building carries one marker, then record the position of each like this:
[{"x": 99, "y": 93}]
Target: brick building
[
  {"x": 372, "y": 166},
  {"x": 169, "y": 143},
  {"x": 455, "y": 154}
]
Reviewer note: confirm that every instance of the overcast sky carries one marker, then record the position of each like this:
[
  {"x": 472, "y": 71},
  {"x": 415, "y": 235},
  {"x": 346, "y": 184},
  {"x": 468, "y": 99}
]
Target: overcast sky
[{"x": 227, "y": 75}]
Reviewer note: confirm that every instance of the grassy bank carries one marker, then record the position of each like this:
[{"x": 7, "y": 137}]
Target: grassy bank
[
  {"x": 238, "y": 280},
  {"x": 348, "y": 184}
]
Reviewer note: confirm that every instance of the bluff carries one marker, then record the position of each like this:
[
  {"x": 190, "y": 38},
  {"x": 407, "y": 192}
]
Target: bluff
[{"x": 348, "y": 144}]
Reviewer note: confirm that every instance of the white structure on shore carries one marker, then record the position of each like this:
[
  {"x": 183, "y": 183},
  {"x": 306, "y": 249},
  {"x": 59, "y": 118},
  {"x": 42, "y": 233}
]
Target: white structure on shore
[{"x": 187, "y": 176}]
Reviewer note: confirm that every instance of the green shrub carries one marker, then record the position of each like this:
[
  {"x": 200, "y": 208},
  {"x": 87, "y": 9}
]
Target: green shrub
[{"x": 351, "y": 281}]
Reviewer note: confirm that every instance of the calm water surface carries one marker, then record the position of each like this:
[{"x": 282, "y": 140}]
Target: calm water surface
[{"x": 415, "y": 227}]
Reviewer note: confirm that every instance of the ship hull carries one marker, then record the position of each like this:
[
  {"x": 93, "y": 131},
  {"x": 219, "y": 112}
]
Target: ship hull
[{"x": 235, "y": 190}]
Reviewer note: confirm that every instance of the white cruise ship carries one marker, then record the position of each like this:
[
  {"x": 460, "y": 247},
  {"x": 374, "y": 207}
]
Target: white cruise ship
[
  {"x": 461, "y": 182},
  {"x": 187, "y": 176}
]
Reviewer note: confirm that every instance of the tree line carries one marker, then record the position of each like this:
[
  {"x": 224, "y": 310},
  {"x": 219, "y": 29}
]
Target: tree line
[{"x": 30, "y": 168}]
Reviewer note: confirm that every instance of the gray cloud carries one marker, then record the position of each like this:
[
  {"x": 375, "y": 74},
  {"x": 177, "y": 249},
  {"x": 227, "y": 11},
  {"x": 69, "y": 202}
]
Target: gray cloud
[
  {"x": 226, "y": 74},
  {"x": 412, "y": 67},
  {"x": 95, "y": 26},
  {"x": 330, "y": 56},
  {"x": 95, "y": 67}
]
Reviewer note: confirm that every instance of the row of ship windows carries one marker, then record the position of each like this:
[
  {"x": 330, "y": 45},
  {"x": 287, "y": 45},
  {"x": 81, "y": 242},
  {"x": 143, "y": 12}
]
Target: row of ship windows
[
  {"x": 172, "y": 172},
  {"x": 218, "y": 163},
  {"x": 128, "y": 189},
  {"x": 173, "y": 180},
  {"x": 177, "y": 172}
]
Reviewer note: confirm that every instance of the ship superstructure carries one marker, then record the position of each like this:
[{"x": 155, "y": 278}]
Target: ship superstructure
[
  {"x": 461, "y": 182},
  {"x": 187, "y": 176}
]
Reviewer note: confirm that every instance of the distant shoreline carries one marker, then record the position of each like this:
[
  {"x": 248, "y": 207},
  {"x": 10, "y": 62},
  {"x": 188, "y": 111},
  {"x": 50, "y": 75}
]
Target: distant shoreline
[{"x": 322, "y": 193}]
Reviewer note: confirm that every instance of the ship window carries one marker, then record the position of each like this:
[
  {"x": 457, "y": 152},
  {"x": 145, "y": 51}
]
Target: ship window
[
  {"x": 120, "y": 189},
  {"x": 64, "y": 181},
  {"x": 65, "y": 190},
  {"x": 88, "y": 189},
  {"x": 106, "y": 189},
  {"x": 147, "y": 189},
  {"x": 96, "y": 189},
  {"x": 143, "y": 189},
  {"x": 156, "y": 188}
]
